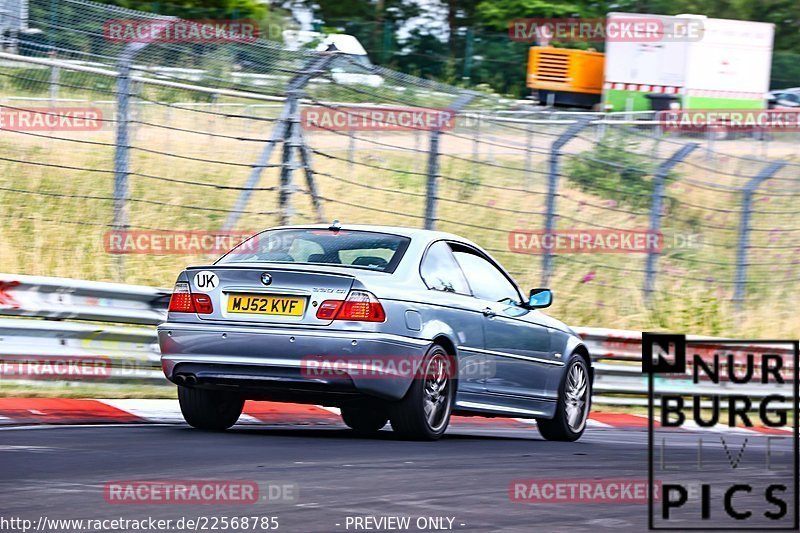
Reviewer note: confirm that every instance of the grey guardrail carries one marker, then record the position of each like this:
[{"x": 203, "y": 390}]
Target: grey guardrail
[
  {"x": 65, "y": 298},
  {"x": 50, "y": 322},
  {"x": 112, "y": 324}
]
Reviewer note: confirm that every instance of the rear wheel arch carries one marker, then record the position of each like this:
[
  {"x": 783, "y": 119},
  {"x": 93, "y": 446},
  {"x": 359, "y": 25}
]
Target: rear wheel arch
[
  {"x": 449, "y": 346},
  {"x": 445, "y": 342}
]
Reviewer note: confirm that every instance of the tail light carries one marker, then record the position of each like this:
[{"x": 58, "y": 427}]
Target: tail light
[
  {"x": 328, "y": 309},
  {"x": 202, "y": 304},
  {"x": 360, "y": 306},
  {"x": 183, "y": 301}
]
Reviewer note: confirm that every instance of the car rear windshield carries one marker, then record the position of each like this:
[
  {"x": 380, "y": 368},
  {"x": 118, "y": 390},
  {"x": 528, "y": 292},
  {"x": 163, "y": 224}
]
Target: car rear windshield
[{"x": 361, "y": 249}]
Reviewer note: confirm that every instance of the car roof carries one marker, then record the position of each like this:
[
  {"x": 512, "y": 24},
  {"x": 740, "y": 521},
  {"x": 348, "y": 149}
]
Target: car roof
[{"x": 412, "y": 233}]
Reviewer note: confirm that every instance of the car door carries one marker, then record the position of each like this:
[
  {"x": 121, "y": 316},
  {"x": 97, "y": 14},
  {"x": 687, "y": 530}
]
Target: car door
[
  {"x": 515, "y": 337},
  {"x": 462, "y": 314}
]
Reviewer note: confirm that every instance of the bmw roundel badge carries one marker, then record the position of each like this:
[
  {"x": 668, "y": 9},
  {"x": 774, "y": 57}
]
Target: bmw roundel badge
[{"x": 266, "y": 278}]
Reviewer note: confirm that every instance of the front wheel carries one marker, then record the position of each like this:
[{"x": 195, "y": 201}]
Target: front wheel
[
  {"x": 209, "y": 409},
  {"x": 424, "y": 413},
  {"x": 574, "y": 402}
]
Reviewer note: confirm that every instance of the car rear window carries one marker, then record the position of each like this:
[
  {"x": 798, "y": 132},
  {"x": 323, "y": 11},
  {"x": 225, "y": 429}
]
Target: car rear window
[{"x": 361, "y": 249}]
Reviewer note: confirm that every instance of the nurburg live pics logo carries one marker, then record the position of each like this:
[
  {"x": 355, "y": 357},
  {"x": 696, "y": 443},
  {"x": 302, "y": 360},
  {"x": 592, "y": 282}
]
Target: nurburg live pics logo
[{"x": 737, "y": 469}]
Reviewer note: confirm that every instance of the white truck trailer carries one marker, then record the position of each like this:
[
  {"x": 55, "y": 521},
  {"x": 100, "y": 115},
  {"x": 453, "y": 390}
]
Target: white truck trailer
[{"x": 704, "y": 63}]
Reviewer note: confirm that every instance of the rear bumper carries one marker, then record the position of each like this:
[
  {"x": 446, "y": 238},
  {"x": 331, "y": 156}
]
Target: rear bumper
[{"x": 270, "y": 359}]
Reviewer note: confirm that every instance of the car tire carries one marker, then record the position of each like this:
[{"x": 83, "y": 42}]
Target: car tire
[
  {"x": 364, "y": 420},
  {"x": 424, "y": 412},
  {"x": 208, "y": 409},
  {"x": 574, "y": 403}
]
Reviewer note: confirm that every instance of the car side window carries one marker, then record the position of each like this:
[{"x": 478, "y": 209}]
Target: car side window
[
  {"x": 486, "y": 281},
  {"x": 440, "y": 271}
]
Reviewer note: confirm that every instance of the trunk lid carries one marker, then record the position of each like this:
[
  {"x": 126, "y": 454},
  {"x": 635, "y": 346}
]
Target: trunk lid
[{"x": 268, "y": 294}]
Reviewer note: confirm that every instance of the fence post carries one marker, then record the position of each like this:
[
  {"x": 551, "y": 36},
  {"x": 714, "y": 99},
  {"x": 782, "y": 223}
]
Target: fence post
[
  {"x": 280, "y": 132},
  {"x": 416, "y": 150},
  {"x": 659, "y": 177},
  {"x": 351, "y": 151},
  {"x": 552, "y": 189},
  {"x": 744, "y": 229},
  {"x": 121, "y": 154},
  {"x": 528, "y": 156},
  {"x": 433, "y": 182},
  {"x": 290, "y": 142},
  {"x": 711, "y": 131},
  {"x": 305, "y": 159},
  {"x": 55, "y": 75},
  {"x": 432, "y": 189},
  {"x": 476, "y": 155}
]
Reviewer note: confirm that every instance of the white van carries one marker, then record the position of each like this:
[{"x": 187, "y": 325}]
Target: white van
[{"x": 353, "y": 70}]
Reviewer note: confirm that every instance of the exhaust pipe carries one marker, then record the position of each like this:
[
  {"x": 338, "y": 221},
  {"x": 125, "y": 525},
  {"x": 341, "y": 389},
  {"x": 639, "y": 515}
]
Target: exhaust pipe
[{"x": 185, "y": 379}]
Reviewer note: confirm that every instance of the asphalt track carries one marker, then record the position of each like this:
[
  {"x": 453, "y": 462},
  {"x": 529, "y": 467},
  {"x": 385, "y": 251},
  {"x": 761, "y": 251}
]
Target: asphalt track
[{"x": 61, "y": 471}]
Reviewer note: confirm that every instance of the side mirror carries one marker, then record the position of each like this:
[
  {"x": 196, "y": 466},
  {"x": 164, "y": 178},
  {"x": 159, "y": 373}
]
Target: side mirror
[{"x": 540, "y": 298}]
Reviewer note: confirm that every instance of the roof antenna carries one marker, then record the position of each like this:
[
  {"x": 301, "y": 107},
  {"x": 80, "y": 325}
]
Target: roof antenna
[{"x": 335, "y": 226}]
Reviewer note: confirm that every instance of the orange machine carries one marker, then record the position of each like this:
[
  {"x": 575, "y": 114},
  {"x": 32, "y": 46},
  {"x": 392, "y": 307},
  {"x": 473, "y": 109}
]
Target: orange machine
[{"x": 565, "y": 77}]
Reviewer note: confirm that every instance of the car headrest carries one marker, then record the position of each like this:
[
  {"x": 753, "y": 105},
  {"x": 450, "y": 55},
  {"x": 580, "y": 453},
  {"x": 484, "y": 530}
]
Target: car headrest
[
  {"x": 324, "y": 258},
  {"x": 278, "y": 256},
  {"x": 370, "y": 261}
]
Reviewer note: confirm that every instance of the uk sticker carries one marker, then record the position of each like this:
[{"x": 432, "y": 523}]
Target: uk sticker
[
  {"x": 722, "y": 433},
  {"x": 206, "y": 281}
]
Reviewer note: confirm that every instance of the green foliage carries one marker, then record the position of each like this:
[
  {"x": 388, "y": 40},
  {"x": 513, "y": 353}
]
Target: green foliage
[
  {"x": 34, "y": 81},
  {"x": 496, "y": 14},
  {"x": 691, "y": 310},
  {"x": 198, "y": 9},
  {"x": 615, "y": 169},
  {"x": 470, "y": 185},
  {"x": 785, "y": 70}
]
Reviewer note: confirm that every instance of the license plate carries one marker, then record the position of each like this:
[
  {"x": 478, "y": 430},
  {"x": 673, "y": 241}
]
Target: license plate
[{"x": 266, "y": 304}]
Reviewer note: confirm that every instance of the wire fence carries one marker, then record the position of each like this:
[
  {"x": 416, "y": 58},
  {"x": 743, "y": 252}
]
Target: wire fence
[{"x": 188, "y": 140}]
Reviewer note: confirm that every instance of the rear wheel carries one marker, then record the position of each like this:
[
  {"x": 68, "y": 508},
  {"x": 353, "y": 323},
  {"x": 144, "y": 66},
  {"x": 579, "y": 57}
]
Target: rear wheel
[
  {"x": 424, "y": 413},
  {"x": 209, "y": 409},
  {"x": 575, "y": 398},
  {"x": 364, "y": 420}
]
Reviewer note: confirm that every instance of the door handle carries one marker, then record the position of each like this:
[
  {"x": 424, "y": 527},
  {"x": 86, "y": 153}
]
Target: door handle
[{"x": 488, "y": 313}]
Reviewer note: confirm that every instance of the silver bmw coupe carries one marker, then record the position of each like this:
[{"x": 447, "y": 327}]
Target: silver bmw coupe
[{"x": 388, "y": 324}]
